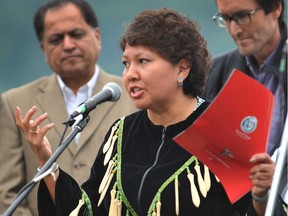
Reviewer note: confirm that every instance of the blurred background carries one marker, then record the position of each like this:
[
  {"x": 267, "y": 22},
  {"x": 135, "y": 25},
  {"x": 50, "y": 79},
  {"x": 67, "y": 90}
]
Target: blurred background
[{"x": 22, "y": 61}]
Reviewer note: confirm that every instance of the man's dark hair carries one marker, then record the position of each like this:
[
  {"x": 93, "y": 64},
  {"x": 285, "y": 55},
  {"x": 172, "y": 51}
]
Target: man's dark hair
[
  {"x": 86, "y": 11},
  {"x": 271, "y": 5}
]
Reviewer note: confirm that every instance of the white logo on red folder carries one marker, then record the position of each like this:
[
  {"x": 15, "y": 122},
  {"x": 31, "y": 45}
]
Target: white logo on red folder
[{"x": 249, "y": 124}]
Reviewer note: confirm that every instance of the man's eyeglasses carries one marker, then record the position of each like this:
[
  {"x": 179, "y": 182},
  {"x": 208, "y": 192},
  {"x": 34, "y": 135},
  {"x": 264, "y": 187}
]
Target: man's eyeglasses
[{"x": 223, "y": 20}]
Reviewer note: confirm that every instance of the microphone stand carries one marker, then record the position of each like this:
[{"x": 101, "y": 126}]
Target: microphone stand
[{"x": 28, "y": 187}]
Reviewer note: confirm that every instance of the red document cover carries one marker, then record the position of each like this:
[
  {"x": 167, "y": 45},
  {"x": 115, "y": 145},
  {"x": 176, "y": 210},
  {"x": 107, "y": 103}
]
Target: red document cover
[{"x": 234, "y": 127}]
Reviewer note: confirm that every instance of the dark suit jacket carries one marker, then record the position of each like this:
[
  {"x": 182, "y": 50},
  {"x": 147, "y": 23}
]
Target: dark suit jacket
[
  {"x": 223, "y": 66},
  {"x": 18, "y": 165}
]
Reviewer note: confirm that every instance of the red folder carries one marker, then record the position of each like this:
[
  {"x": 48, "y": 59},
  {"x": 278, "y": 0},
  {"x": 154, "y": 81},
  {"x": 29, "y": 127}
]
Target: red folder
[{"x": 234, "y": 127}]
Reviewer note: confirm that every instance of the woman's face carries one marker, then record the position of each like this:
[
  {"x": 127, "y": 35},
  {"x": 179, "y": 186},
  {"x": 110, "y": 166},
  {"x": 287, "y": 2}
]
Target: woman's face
[{"x": 150, "y": 80}]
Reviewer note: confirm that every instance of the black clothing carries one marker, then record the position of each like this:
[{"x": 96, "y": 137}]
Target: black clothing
[{"x": 148, "y": 158}]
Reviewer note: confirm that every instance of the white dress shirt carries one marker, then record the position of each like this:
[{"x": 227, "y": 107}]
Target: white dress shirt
[{"x": 72, "y": 101}]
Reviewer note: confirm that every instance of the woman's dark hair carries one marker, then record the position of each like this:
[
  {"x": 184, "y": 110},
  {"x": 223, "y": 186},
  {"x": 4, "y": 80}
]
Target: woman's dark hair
[
  {"x": 86, "y": 11},
  {"x": 174, "y": 37}
]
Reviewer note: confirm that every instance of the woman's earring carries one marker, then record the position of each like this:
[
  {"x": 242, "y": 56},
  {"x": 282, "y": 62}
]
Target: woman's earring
[{"x": 180, "y": 82}]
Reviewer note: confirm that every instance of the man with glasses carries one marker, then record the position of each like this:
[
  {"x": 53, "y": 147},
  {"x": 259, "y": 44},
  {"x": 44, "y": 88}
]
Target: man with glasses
[
  {"x": 258, "y": 29},
  {"x": 223, "y": 20}
]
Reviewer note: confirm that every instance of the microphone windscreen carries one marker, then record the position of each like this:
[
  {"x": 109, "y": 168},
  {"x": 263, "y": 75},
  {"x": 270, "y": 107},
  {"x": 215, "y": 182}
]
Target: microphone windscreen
[{"x": 115, "y": 90}]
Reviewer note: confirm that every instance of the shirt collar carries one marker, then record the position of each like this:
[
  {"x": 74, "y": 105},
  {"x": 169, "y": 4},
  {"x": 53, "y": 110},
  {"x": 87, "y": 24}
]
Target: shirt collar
[
  {"x": 273, "y": 58},
  {"x": 251, "y": 62},
  {"x": 90, "y": 85}
]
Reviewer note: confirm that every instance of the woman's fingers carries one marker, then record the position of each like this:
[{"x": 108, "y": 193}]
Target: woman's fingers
[
  {"x": 34, "y": 133},
  {"x": 24, "y": 123},
  {"x": 18, "y": 117},
  {"x": 31, "y": 128},
  {"x": 34, "y": 124}
]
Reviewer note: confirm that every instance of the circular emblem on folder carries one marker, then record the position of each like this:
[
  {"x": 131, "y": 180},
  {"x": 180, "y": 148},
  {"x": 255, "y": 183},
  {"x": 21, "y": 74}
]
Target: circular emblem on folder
[{"x": 249, "y": 124}]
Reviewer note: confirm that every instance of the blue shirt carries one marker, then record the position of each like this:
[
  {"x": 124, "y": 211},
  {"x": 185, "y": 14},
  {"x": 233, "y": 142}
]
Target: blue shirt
[{"x": 273, "y": 83}]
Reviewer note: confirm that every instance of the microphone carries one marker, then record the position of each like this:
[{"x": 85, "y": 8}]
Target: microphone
[{"x": 110, "y": 92}]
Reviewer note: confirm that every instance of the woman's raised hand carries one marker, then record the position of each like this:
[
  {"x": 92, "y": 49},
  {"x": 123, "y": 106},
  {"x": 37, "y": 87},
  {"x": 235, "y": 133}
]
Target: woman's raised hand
[{"x": 34, "y": 134}]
